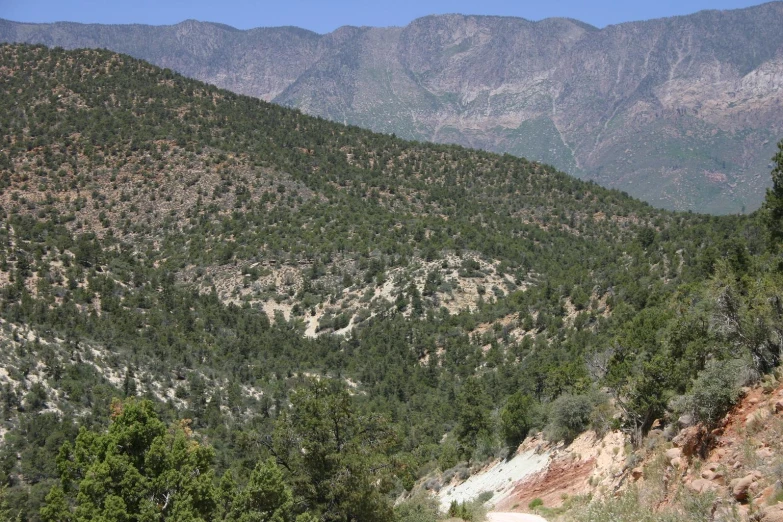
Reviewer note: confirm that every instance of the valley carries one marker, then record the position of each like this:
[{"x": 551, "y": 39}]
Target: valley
[{"x": 245, "y": 309}]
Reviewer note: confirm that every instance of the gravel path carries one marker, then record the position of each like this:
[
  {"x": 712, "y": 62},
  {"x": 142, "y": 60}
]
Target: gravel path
[{"x": 514, "y": 517}]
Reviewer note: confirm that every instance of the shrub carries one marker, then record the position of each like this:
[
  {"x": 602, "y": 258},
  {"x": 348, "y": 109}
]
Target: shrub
[
  {"x": 36, "y": 398},
  {"x": 470, "y": 511},
  {"x": 449, "y": 454},
  {"x": 419, "y": 508},
  {"x": 602, "y": 417},
  {"x": 485, "y": 496},
  {"x": 463, "y": 471},
  {"x": 488, "y": 447},
  {"x": 569, "y": 416},
  {"x": 714, "y": 391}
]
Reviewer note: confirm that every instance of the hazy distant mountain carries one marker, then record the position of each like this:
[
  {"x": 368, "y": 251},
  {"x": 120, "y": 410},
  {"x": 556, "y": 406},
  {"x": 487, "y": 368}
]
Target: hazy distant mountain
[{"x": 683, "y": 112}]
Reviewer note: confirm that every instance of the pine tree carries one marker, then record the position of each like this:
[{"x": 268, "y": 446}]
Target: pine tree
[
  {"x": 137, "y": 470},
  {"x": 336, "y": 457},
  {"x": 773, "y": 205}
]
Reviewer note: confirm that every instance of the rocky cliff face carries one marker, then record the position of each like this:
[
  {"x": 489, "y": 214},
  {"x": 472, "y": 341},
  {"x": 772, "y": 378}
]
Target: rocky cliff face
[{"x": 682, "y": 112}]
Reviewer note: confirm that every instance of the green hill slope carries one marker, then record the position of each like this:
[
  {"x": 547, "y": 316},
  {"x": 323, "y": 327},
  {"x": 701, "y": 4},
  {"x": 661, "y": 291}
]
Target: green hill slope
[{"x": 167, "y": 239}]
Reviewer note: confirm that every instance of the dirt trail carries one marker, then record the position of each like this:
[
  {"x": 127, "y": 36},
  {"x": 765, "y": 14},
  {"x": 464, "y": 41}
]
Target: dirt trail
[{"x": 514, "y": 517}]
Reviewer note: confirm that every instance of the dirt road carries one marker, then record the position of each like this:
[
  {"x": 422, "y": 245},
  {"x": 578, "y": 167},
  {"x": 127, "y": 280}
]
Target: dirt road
[{"x": 514, "y": 517}]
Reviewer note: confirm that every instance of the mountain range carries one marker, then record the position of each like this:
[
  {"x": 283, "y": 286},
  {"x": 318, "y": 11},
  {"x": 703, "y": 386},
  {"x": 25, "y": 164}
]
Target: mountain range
[{"x": 682, "y": 112}]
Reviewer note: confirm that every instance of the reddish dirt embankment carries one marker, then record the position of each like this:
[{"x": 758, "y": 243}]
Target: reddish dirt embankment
[
  {"x": 590, "y": 464},
  {"x": 563, "y": 477}
]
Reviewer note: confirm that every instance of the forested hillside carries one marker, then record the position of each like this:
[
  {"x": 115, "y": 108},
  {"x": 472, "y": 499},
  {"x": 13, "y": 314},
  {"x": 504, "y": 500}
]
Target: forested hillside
[
  {"x": 319, "y": 310},
  {"x": 683, "y": 112}
]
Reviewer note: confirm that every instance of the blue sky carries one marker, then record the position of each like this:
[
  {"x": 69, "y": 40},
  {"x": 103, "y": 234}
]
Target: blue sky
[{"x": 324, "y": 16}]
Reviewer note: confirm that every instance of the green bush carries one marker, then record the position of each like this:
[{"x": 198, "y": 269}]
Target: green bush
[
  {"x": 449, "y": 453},
  {"x": 714, "y": 391},
  {"x": 485, "y": 496},
  {"x": 469, "y": 511},
  {"x": 419, "y": 508},
  {"x": 602, "y": 417},
  {"x": 569, "y": 416}
]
